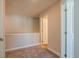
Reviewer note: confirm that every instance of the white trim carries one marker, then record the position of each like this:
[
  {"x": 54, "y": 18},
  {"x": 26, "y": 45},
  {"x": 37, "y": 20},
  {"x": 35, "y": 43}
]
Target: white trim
[
  {"x": 58, "y": 54},
  {"x": 21, "y": 33},
  {"x": 70, "y": 28},
  {"x": 2, "y": 31},
  {"x": 22, "y": 47},
  {"x": 63, "y": 7}
]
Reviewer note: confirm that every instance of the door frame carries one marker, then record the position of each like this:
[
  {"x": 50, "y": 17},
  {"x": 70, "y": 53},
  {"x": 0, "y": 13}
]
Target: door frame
[
  {"x": 3, "y": 30},
  {"x": 42, "y": 29},
  {"x": 62, "y": 30},
  {"x": 67, "y": 31},
  {"x": 63, "y": 44},
  {"x": 70, "y": 28}
]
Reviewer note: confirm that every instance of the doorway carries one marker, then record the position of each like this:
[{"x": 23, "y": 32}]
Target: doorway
[
  {"x": 44, "y": 37},
  {"x": 44, "y": 30},
  {"x": 28, "y": 34}
]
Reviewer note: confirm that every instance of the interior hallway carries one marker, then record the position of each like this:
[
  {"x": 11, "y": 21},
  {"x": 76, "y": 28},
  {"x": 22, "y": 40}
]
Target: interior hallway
[
  {"x": 31, "y": 27},
  {"x": 32, "y": 52}
]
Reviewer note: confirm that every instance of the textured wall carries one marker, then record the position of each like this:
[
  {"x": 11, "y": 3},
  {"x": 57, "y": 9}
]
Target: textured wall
[
  {"x": 54, "y": 26},
  {"x": 21, "y": 31},
  {"x": 21, "y": 24},
  {"x": 21, "y": 40}
]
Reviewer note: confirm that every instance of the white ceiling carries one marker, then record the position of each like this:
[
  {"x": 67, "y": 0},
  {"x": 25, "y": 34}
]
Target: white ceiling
[{"x": 27, "y": 7}]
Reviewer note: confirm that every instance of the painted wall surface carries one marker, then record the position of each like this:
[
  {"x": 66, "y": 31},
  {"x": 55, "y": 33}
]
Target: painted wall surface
[
  {"x": 36, "y": 25},
  {"x": 54, "y": 26},
  {"x": 21, "y": 24},
  {"x": 21, "y": 40},
  {"x": 21, "y": 31},
  {"x": 76, "y": 29}
]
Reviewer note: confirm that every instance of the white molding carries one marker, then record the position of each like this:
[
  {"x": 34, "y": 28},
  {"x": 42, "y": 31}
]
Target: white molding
[
  {"x": 21, "y": 33},
  {"x": 58, "y": 54},
  {"x": 22, "y": 47},
  {"x": 70, "y": 28},
  {"x": 63, "y": 7}
]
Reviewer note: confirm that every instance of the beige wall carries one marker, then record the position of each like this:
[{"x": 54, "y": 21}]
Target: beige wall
[
  {"x": 54, "y": 23},
  {"x": 36, "y": 25},
  {"x": 21, "y": 31},
  {"x": 21, "y": 24},
  {"x": 21, "y": 40}
]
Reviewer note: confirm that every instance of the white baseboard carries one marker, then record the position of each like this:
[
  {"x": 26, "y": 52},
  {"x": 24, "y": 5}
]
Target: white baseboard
[
  {"x": 58, "y": 54},
  {"x": 22, "y": 47}
]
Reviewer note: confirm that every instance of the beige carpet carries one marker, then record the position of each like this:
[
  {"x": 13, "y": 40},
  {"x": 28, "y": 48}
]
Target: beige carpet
[{"x": 32, "y": 52}]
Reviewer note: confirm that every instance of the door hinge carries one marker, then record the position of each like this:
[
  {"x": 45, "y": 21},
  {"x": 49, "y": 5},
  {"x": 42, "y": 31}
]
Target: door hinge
[
  {"x": 65, "y": 32},
  {"x": 65, "y": 10},
  {"x": 65, "y": 55},
  {"x": 1, "y": 39}
]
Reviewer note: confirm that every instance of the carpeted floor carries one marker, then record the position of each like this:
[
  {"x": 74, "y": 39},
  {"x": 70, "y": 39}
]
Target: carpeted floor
[{"x": 32, "y": 52}]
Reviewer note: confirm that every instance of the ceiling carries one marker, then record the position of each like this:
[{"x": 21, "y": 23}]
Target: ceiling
[{"x": 27, "y": 7}]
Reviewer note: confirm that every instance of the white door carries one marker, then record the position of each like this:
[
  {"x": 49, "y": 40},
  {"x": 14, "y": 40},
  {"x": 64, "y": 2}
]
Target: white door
[
  {"x": 67, "y": 23},
  {"x": 2, "y": 51},
  {"x": 44, "y": 29},
  {"x": 70, "y": 28}
]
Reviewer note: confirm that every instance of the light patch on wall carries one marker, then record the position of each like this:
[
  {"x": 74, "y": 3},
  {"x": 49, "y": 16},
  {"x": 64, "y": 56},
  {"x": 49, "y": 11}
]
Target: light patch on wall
[
  {"x": 21, "y": 24},
  {"x": 34, "y": 1}
]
